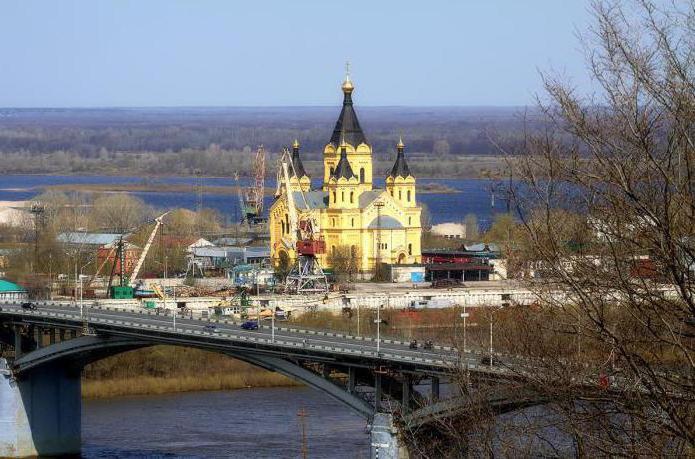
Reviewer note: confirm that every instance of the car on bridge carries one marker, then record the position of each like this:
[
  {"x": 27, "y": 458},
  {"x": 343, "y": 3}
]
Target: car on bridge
[
  {"x": 250, "y": 325},
  {"x": 211, "y": 328},
  {"x": 28, "y": 305}
]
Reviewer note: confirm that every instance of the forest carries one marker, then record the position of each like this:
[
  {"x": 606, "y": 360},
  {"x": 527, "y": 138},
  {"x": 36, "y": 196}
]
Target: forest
[{"x": 220, "y": 141}]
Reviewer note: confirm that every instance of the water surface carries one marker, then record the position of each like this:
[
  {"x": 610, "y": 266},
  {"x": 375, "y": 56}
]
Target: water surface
[{"x": 252, "y": 423}]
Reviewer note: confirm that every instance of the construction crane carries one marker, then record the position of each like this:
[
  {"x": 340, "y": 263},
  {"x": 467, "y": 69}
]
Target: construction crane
[
  {"x": 148, "y": 244},
  {"x": 251, "y": 199},
  {"x": 307, "y": 275}
]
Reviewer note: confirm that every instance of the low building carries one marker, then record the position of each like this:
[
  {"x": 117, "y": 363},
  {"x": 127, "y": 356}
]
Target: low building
[
  {"x": 227, "y": 257},
  {"x": 188, "y": 243},
  {"x": 244, "y": 275},
  {"x": 470, "y": 262},
  {"x": 88, "y": 239},
  {"x": 408, "y": 273},
  {"x": 11, "y": 291},
  {"x": 450, "y": 230},
  {"x": 107, "y": 256}
]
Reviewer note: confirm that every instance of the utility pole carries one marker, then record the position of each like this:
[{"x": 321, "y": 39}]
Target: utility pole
[
  {"x": 491, "y": 311},
  {"x": 378, "y": 329},
  {"x": 302, "y": 423}
]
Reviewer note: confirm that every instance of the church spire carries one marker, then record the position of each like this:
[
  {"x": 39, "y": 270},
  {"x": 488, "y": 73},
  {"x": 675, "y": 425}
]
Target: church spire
[
  {"x": 347, "y": 121},
  {"x": 298, "y": 167},
  {"x": 400, "y": 167},
  {"x": 343, "y": 168}
]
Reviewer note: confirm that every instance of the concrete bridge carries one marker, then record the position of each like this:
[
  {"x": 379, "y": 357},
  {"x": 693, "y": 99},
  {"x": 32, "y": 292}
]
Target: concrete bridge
[{"x": 40, "y": 386}]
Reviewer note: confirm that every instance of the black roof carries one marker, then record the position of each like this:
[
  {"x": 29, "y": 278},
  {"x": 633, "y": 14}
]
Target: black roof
[
  {"x": 343, "y": 168},
  {"x": 299, "y": 170},
  {"x": 400, "y": 167},
  {"x": 348, "y": 124}
]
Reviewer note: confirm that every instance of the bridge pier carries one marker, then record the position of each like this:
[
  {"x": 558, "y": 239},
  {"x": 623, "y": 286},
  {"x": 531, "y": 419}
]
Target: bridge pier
[
  {"x": 435, "y": 389},
  {"x": 41, "y": 412},
  {"x": 384, "y": 439},
  {"x": 407, "y": 386},
  {"x": 18, "y": 341},
  {"x": 377, "y": 391}
]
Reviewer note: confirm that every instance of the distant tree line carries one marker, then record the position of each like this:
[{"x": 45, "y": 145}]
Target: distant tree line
[{"x": 222, "y": 141}]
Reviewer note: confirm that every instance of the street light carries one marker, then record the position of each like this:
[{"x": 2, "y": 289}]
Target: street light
[
  {"x": 272, "y": 325},
  {"x": 491, "y": 359},
  {"x": 81, "y": 278},
  {"x": 464, "y": 315},
  {"x": 378, "y": 328}
]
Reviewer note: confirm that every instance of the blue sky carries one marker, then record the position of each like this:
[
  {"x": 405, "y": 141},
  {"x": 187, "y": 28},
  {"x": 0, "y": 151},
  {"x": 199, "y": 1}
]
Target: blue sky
[{"x": 96, "y": 53}]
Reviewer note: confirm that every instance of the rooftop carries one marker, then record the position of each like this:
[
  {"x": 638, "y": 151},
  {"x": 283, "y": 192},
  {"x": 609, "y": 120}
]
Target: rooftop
[
  {"x": 7, "y": 286},
  {"x": 88, "y": 238}
]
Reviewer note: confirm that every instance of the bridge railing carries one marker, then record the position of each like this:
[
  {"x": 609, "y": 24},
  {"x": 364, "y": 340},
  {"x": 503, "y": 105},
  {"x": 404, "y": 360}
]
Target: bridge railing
[{"x": 448, "y": 361}]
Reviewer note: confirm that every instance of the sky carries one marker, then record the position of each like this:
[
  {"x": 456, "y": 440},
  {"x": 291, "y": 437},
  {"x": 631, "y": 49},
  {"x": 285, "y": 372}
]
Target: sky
[{"x": 120, "y": 53}]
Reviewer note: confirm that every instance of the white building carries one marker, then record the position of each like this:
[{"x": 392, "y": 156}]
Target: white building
[{"x": 450, "y": 230}]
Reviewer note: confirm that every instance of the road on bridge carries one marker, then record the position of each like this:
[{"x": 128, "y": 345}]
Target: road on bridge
[{"x": 143, "y": 323}]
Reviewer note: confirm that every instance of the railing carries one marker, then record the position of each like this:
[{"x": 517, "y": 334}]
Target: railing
[{"x": 451, "y": 362}]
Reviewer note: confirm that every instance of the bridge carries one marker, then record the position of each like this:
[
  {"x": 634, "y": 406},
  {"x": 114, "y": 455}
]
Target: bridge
[{"x": 375, "y": 378}]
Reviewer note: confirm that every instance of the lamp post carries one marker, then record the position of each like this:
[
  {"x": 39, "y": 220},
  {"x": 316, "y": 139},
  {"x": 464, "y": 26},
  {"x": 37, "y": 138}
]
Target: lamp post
[
  {"x": 272, "y": 325},
  {"x": 358, "y": 319},
  {"x": 81, "y": 278},
  {"x": 491, "y": 338},
  {"x": 378, "y": 329},
  {"x": 464, "y": 315}
]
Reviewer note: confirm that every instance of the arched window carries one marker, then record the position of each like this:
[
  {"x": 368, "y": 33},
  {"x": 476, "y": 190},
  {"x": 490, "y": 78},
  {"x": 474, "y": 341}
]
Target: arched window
[
  {"x": 352, "y": 197},
  {"x": 342, "y": 196},
  {"x": 408, "y": 195},
  {"x": 334, "y": 198},
  {"x": 282, "y": 225},
  {"x": 333, "y": 250},
  {"x": 362, "y": 175},
  {"x": 287, "y": 222},
  {"x": 400, "y": 195},
  {"x": 392, "y": 193},
  {"x": 332, "y": 169},
  {"x": 352, "y": 222},
  {"x": 410, "y": 249},
  {"x": 410, "y": 221}
]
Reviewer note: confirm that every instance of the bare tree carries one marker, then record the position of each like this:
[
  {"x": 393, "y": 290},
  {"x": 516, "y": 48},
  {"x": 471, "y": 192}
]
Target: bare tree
[
  {"x": 119, "y": 212},
  {"x": 619, "y": 281},
  {"x": 345, "y": 261}
]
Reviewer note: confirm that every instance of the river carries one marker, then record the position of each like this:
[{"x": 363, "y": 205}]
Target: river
[
  {"x": 251, "y": 423},
  {"x": 472, "y": 196}
]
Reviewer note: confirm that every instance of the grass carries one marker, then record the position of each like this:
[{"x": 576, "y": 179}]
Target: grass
[
  {"x": 150, "y": 385},
  {"x": 168, "y": 369}
]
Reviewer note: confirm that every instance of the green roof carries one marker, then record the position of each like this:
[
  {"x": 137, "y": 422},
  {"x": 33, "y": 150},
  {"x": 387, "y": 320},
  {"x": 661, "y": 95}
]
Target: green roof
[{"x": 7, "y": 286}]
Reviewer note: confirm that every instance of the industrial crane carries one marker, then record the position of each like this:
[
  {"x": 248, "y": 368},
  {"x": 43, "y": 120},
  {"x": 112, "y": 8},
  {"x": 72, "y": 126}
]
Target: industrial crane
[
  {"x": 148, "y": 244},
  {"x": 307, "y": 275},
  {"x": 251, "y": 199}
]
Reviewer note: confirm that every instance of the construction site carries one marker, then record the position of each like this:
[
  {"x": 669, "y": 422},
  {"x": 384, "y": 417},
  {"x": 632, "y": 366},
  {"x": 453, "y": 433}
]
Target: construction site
[{"x": 341, "y": 244}]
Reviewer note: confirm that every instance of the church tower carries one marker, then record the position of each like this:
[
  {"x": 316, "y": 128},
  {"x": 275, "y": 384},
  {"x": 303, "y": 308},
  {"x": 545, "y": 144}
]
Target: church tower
[
  {"x": 359, "y": 152},
  {"x": 343, "y": 185},
  {"x": 299, "y": 179},
  {"x": 400, "y": 183}
]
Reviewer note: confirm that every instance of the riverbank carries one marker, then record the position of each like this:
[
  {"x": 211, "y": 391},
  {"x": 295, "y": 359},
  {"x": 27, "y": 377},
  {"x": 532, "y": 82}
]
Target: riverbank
[
  {"x": 433, "y": 188},
  {"x": 150, "y": 385},
  {"x": 167, "y": 369}
]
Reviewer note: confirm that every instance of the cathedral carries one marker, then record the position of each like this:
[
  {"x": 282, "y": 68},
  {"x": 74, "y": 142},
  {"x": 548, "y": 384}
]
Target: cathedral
[{"x": 356, "y": 220}]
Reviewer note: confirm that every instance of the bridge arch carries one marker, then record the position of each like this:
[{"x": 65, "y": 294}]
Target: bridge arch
[{"x": 81, "y": 351}]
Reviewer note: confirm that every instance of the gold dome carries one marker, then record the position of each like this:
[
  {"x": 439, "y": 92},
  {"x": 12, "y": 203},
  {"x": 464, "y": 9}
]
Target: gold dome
[
  {"x": 347, "y": 84},
  {"x": 295, "y": 144},
  {"x": 400, "y": 145}
]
